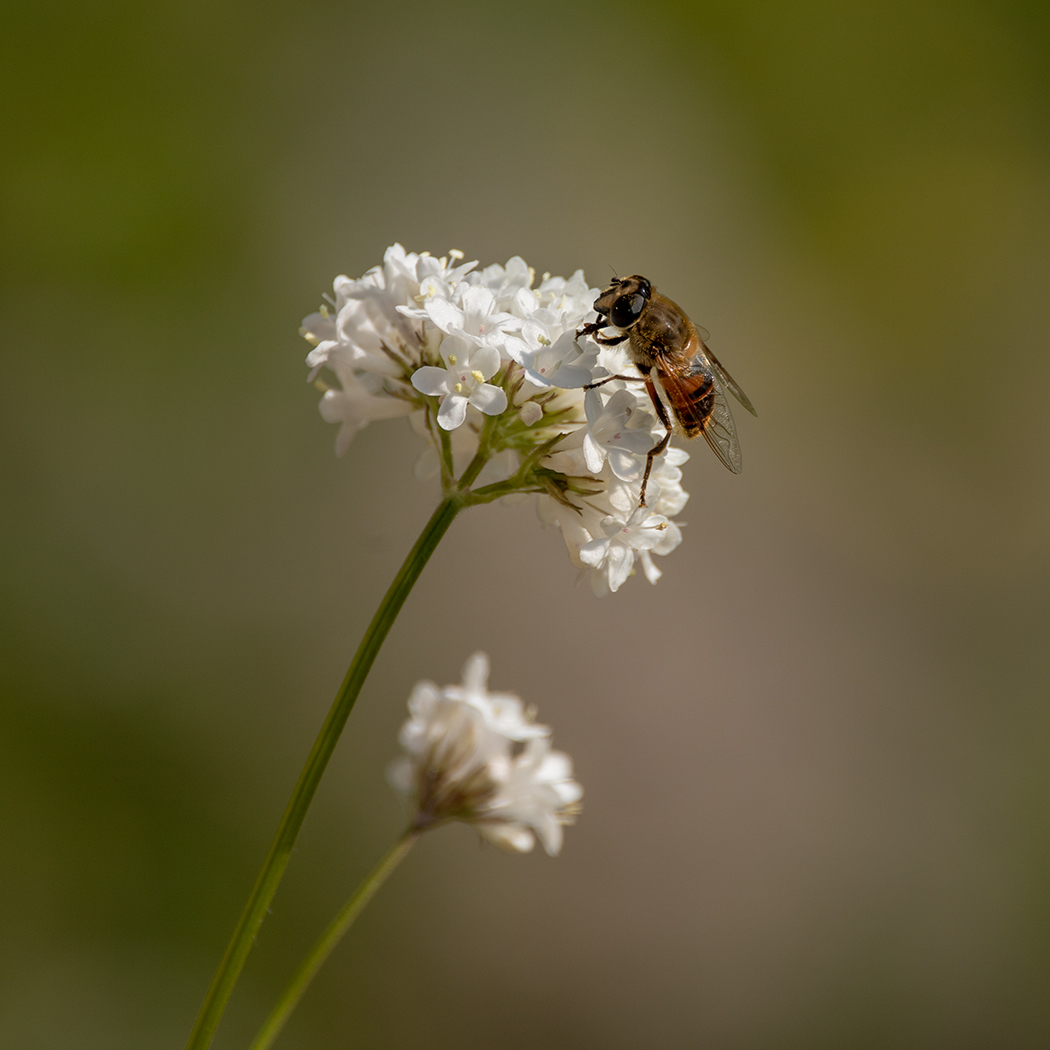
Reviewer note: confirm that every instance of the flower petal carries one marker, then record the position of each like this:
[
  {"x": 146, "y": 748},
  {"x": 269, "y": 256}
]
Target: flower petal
[
  {"x": 476, "y": 674},
  {"x": 431, "y": 380},
  {"x": 489, "y": 399},
  {"x": 446, "y": 315},
  {"x": 593, "y": 453},
  {"x": 594, "y": 553},
  {"x": 620, "y": 564},
  {"x": 652, "y": 573},
  {"x": 453, "y": 412},
  {"x": 485, "y": 360}
]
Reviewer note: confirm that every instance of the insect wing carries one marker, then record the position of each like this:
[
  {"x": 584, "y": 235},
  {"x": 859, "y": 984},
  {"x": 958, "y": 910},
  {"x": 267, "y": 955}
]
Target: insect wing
[
  {"x": 700, "y": 406},
  {"x": 727, "y": 380},
  {"x": 720, "y": 432}
]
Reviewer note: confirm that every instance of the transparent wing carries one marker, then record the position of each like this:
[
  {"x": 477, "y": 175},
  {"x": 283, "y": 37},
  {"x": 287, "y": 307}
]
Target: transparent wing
[
  {"x": 699, "y": 406},
  {"x": 720, "y": 432},
  {"x": 727, "y": 380}
]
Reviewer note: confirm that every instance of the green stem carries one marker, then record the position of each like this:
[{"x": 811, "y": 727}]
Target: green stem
[
  {"x": 481, "y": 457},
  {"x": 277, "y": 859},
  {"x": 329, "y": 939},
  {"x": 448, "y": 472}
]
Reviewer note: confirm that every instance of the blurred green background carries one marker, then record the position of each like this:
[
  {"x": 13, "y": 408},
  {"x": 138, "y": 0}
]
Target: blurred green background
[{"x": 815, "y": 754}]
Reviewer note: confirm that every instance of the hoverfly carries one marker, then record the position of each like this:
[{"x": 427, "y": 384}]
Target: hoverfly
[{"x": 669, "y": 350}]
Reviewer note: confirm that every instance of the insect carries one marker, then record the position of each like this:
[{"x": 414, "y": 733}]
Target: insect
[{"x": 669, "y": 351}]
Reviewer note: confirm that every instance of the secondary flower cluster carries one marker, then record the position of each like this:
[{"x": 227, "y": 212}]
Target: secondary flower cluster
[
  {"x": 489, "y": 369},
  {"x": 478, "y": 757}
]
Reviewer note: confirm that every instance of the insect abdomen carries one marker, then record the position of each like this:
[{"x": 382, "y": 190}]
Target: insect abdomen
[{"x": 692, "y": 396}]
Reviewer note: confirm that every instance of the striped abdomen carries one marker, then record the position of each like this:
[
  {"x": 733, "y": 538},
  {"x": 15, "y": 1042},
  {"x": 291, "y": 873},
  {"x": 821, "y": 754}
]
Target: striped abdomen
[{"x": 691, "y": 393}]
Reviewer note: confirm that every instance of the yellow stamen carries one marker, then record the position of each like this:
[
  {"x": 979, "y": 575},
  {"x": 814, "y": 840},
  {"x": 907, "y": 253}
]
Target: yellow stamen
[
  {"x": 478, "y": 376},
  {"x": 458, "y": 388},
  {"x": 452, "y": 359}
]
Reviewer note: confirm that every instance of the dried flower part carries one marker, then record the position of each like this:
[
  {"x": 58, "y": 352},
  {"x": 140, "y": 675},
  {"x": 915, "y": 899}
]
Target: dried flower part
[
  {"x": 477, "y": 756},
  {"x": 453, "y": 347}
]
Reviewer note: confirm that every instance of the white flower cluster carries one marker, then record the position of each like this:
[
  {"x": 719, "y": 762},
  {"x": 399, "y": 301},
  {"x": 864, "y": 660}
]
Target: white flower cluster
[
  {"x": 490, "y": 370},
  {"x": 478, "y": 757}
]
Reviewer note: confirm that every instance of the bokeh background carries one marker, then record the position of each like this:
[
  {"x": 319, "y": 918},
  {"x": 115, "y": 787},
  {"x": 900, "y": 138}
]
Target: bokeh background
[{"x": 815, "y": 755}]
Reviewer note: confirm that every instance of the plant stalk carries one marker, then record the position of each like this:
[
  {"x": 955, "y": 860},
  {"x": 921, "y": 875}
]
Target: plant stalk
[
  {"x": 329, "y": 939},
  {"x": 280, "y": 851}
]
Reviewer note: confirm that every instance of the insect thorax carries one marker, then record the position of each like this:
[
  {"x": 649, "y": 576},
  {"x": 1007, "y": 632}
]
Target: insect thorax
[{"x": 662, "y": 333}]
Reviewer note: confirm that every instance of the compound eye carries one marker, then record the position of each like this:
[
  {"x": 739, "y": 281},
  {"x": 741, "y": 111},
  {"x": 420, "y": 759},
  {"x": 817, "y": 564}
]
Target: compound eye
[{"x": 627, "y": 309}]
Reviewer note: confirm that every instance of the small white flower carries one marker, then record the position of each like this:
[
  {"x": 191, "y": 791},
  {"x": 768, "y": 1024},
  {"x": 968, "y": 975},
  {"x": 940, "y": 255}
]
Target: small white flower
[
  {"x": 363, "y": 337},
  {"x": 669, "y": 498},
  {"x": 398, "y": 283},
  {"x": 462, "y": 381},
  {"x": 474, "y": 319},
  {"x": 503, "y": 711},
  {"x": 619, "y": 429},
  {"x": 536, "y": 795},
  {"x": 672, "y": 537},
  {"x": 552, "y": 360},
  {"x": 477, "y": 756},
  {"x": 611, "y": 556},
  {"x": 510, "y": 285},
  {"x": 572, "y": 299}
]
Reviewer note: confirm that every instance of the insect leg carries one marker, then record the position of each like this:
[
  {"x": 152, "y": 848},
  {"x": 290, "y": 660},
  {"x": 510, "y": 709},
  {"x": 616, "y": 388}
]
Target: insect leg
[
  {"x": 658, "y": 448},
  {"x": 590, "y": 329},
  {"x": 609, "y": 379},
  {"x": 594, "y": 328}
]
